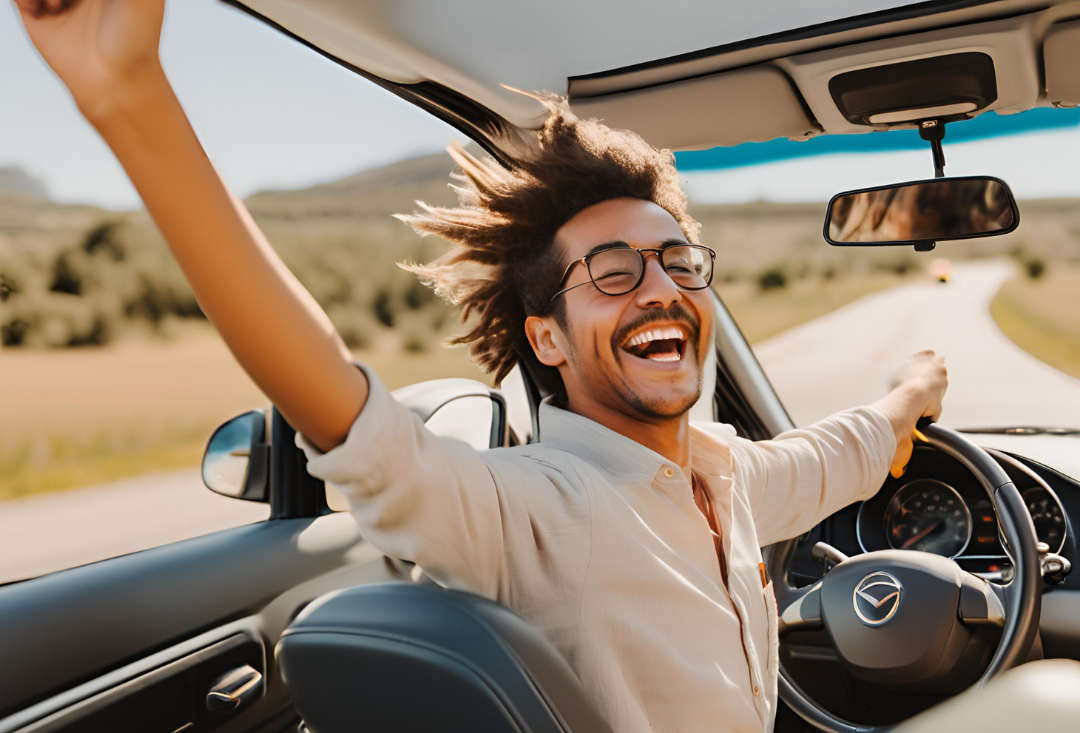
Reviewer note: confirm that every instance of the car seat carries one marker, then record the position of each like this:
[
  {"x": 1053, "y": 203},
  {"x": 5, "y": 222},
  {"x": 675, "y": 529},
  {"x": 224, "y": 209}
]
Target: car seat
[{"x": 404, "y": 657}]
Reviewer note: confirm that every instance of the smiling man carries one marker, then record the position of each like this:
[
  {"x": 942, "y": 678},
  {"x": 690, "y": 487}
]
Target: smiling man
[{"x": 628, "y": 535}]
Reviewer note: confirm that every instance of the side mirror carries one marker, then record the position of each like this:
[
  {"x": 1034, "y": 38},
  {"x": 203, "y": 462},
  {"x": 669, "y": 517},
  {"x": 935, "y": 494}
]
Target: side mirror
[
  {"x": 237, "y": 458},
  {"x": 922, "y": 213}
]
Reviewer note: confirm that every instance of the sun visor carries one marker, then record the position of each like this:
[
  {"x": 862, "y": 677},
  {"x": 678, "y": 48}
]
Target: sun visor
[
  {"x": 1061, "y": 59},
  {"x": 749, "y": 105}
]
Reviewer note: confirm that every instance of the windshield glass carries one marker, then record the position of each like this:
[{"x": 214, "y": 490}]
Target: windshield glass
[{"x": 832, "y": 325}]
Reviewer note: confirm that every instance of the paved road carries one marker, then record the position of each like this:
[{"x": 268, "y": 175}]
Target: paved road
[
  {"x": 843, "y": 359},
  {"x": 850, "y": 356}
]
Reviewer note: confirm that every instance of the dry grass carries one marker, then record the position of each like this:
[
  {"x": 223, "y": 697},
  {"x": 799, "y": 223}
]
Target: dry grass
[
  {"x": 78, "y": 417},
  {"x": 1042, "y": 316}
]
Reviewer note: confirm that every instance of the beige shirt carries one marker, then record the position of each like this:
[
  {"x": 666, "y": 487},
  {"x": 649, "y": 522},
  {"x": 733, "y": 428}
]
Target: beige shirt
[{"x": 597, "y": 541}]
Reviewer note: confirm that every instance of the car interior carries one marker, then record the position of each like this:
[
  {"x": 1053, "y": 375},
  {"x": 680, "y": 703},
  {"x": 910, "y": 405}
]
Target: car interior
[{"x": 297, "y": 624}]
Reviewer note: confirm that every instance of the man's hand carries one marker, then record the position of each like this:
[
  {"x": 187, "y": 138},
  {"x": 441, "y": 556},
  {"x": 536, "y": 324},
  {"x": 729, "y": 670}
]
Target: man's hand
[
  {"x": 918, "y": 393},
  {"x": 101, "y": 49}
]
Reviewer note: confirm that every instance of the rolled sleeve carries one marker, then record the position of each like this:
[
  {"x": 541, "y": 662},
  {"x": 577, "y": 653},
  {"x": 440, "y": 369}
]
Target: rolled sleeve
[
  {"x": 418, "y": 497},
  {"x": 804, "y": 475}
]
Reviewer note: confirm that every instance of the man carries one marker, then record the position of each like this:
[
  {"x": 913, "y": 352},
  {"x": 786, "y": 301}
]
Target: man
[{"x": 629, "y": 536}]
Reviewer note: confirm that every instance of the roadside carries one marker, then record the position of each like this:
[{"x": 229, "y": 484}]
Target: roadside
[
  {"x": 762, "y": 314},
  {"x": 1041, "y": 315},
  {"x": 79, "y": 417}
]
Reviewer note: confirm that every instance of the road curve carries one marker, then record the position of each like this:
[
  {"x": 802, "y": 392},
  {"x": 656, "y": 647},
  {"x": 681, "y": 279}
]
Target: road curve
[{"x": 850, "y": 356}]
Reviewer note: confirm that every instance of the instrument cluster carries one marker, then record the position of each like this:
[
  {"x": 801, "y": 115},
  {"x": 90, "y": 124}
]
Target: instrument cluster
[{"x": 938, "y": 506}]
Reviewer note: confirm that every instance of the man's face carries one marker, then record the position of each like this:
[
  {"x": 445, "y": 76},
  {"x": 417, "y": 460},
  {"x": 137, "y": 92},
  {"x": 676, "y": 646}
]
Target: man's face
[{"x": 640, "y": 353}]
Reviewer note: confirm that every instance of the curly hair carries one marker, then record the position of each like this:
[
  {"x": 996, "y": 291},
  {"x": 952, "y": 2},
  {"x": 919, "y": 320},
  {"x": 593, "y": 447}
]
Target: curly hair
[{"x": 504, "y": 265}]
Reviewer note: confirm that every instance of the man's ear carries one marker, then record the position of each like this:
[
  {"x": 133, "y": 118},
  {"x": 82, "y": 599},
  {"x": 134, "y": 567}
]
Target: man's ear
[{"x": 544, "y": 338}]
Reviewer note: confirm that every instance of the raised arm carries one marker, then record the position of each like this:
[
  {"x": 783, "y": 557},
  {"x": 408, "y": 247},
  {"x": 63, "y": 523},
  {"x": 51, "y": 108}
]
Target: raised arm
[
  {"x": 804, "y": 475},
  {"x": 106, "y": 52}
]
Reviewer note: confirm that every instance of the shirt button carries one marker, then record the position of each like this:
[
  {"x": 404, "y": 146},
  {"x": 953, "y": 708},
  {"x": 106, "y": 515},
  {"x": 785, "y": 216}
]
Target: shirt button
[
  {"x": 757, "y": 690},
  {"x": 669, "y": 471}
]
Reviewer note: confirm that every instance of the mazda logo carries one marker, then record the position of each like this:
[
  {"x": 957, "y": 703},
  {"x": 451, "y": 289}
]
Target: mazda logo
[{"x": 876, "y": 598}]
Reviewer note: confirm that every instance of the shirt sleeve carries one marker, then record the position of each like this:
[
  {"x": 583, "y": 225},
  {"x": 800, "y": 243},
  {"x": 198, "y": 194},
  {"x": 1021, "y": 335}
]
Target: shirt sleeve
[
  {"x": 802, "y": 476},
  {"x": 431, "y": 500}
]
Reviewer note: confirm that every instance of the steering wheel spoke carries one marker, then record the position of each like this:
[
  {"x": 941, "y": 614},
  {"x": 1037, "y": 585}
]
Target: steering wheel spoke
[
  {"x": 799, "y": 610},
  {"x": 981, "y": 602}
]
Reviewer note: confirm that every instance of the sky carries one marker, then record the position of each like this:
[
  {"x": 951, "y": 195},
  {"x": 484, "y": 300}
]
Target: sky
[
  {"x": 275, "y": 115},
  {"x": 270, "y": 112}
]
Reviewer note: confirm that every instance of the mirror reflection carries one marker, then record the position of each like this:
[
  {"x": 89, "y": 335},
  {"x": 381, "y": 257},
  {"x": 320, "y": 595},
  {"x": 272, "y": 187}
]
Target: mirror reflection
[
  {"x": 939, "y": 209},
  {"x": 228, "y": 454}
]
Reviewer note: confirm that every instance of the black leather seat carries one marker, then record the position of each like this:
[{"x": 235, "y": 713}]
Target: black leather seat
[{"x": 403, "y": 657}]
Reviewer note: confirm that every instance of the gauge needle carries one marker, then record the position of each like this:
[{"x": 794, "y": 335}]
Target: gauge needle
[{"x": 912, "y": 540}]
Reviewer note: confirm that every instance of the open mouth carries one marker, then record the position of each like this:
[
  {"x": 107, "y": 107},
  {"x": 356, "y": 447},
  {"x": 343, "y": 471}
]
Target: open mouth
[{"x": 661, "y": 344}]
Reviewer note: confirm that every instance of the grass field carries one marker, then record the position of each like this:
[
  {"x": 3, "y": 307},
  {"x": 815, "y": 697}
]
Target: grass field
[
  {"x": 1042, "y": 316},
  {"x": 78, "y": 417}
]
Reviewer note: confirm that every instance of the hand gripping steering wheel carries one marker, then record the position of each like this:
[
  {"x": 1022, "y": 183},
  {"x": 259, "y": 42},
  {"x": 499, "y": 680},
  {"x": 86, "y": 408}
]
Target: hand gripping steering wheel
[{"x": 901, "y": 617}]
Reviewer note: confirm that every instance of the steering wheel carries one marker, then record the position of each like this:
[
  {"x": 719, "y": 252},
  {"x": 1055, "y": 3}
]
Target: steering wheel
[{"x": 901, "y": 617}]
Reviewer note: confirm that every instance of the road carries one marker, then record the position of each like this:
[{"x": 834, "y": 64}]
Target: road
[
  {"x": 846, "y": 358},
  {"x": 850, "y": 356}
]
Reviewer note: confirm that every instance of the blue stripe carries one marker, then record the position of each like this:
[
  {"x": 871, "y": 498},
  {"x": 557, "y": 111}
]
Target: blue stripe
[{"x": 982, "y": 127}]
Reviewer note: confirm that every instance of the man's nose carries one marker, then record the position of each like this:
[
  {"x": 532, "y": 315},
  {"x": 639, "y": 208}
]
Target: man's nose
[{"x": 657, "y": 289}]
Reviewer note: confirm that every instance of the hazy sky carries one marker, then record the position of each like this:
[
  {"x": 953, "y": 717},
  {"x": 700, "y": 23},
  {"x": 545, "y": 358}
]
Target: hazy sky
[
  {"x": 270, "y": 113},
  {"x": 273, "y": 114}
]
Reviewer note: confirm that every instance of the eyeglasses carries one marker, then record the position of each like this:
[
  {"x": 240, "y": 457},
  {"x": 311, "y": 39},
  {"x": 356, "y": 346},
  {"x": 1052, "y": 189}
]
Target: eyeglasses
[{"x": 619, "y": 269}]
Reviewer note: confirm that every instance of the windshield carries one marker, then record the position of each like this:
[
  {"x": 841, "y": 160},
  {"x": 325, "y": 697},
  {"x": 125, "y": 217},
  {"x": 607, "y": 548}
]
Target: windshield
[{"x": 832, "y": 326}]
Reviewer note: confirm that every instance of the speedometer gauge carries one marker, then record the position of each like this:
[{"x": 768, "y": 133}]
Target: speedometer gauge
[
  {"x": 1047, "y": 515},
  {"x": 930, "y": 516}
]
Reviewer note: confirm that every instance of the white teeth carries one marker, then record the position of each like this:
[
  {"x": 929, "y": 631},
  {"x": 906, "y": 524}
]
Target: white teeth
[
  {"x": 664, "y": 357},
  {"x": 669, "y": 332}
]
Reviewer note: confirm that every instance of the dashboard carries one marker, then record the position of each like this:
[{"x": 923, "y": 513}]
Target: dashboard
[{"x": 939, "y": 506}]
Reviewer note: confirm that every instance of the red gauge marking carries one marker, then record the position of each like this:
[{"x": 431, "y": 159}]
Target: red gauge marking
[{"x": 912, "y": 540}]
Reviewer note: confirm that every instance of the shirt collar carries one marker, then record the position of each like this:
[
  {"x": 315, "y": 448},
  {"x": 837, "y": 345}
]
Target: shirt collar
[{"x": 624, "y": 458}]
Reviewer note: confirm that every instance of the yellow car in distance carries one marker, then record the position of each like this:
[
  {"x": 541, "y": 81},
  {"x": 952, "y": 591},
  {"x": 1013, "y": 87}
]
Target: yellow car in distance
[{"x": 941, "y": 270}]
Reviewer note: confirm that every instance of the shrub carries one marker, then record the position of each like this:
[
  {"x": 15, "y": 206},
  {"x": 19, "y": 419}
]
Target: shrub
[
  {"x": 356, "y": 325},
  {"x": 417, "y": 335},
  {"x": 383, "y": 307},
  {"x": 772, "y": 279}
]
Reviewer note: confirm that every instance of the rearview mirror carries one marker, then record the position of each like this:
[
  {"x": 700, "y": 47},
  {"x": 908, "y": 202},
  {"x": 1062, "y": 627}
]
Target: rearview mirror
[
  {"x": 237, "y": 458},
  {"x": 922, "y": 213}
]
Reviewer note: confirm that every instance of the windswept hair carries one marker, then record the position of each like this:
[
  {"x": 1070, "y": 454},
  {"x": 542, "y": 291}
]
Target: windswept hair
[{"x": 504, "y": 265}]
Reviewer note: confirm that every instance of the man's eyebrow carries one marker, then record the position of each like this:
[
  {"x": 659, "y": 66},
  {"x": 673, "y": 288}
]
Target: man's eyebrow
[
  {"x": 673, "y": 243},
  {"x": 621, "y": 244},
  {"x": 607, "y": 245}
]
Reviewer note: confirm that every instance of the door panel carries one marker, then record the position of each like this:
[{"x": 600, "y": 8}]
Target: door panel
[{"x": 115, "y": 633}]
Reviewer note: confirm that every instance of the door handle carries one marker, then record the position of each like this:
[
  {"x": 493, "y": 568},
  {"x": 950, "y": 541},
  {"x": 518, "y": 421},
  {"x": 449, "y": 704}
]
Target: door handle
[{"x": 233, "y": 689}]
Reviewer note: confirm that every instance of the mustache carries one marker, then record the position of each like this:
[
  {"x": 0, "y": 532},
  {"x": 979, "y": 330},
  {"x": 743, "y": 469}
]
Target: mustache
[{"x": 676, "y": 312}]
